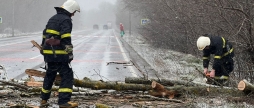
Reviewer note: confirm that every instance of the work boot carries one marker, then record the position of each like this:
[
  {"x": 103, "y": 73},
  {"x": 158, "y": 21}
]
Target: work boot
[
  {"x": 69, "y": 105},
  {"x": 44, "y": 103}
]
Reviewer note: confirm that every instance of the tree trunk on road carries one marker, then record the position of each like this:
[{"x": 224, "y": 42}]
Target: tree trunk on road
[
  {"x": 157, "y": 88},
  {"x": 165, "y": 82}
]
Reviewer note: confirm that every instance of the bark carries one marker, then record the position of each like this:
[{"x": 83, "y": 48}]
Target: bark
[
  {"x": 99, "y": 105},
  {"x": 165, "y": 82},
  {"x": 96, "y": 85},
  {"x": 15, "y": 84},
  {"x": 206, "y": 90},
  {"x": 245, "y": 86},
  {"x": 87, "y": 83},
  {"x": 37, "y": 73},
  {"x": 155, "y": 88},
  {"x": 137, "y": 80},
  {"x": 34, "y": 84},
  {"x": 179, "y": 90},
  {"x": 160, "y": 91},
  {"x": 55, "y": 88}
]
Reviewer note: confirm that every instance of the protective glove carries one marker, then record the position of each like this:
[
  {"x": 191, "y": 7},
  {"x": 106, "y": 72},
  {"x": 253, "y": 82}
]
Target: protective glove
[
  {"x": 212, "y": 73},
  {"x": 205, "y": 71},
  {"x": 68, "y": 48}
]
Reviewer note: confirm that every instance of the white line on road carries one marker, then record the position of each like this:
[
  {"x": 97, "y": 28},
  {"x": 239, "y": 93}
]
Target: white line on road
[
  {"x": 12, "y": 43},
  {"x": 133, "y": 72},
  {"x": 35, "y": 57}
]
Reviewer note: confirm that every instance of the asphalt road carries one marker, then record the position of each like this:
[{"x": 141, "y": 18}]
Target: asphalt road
[{"x": 93, "y": 50}]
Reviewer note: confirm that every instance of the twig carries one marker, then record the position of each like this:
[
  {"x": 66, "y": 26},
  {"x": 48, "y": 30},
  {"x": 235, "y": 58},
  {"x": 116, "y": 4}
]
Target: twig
[
  {"x": 14, "y": 84},
  {"x": 139, "y": 70},
  {"x": 117, "y": 63},
  {"x": 164, "y": 99},
  {"x": 98, "y": 73}
]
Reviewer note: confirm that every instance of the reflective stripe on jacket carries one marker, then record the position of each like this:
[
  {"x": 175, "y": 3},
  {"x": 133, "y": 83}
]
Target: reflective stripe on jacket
[
  {"x": 59, "y": 27},
  {"x": 218, "y": 47}
]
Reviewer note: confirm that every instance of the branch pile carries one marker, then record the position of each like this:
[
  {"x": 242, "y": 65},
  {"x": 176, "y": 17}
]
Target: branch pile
[{"x": 160, "y": 88}]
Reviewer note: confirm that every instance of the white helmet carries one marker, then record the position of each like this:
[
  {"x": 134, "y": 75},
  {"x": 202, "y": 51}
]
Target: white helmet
[
  {"x": 71, "y": 6},
  {"x": 202, "y": 42}
]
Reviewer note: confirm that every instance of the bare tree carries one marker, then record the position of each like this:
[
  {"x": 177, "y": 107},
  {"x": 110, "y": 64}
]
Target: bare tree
[{"x": 176, "y": 25}]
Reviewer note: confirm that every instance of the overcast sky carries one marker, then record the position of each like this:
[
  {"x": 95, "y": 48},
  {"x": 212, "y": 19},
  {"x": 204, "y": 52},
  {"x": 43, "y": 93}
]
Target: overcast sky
[{"x": 92, "y": 4}]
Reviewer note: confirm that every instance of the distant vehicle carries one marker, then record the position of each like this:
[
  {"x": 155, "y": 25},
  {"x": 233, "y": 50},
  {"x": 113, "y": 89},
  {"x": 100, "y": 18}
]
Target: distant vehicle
[
  {"x": 96, "y": 27},
  {"x": 109, "y": 24},
  {"x": 105, "y": 27}
]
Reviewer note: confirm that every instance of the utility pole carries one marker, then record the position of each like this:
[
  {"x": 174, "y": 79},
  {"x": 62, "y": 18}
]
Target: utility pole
[{"x": 13, "y": 18}]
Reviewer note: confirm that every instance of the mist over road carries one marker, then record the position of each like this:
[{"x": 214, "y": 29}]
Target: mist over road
[{"x": 93, "y": 49}]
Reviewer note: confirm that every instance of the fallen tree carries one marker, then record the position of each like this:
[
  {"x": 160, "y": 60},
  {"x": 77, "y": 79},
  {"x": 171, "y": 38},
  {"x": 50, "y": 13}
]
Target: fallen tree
[
  {"x": 96, "y": 85},
  {"x": 154, "y": 88},
  {"x": 165, "y": 82}
]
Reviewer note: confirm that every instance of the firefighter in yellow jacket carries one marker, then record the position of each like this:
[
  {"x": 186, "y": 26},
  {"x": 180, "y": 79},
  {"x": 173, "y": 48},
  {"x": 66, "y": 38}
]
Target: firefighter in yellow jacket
[{"x": 57, "y": 52}]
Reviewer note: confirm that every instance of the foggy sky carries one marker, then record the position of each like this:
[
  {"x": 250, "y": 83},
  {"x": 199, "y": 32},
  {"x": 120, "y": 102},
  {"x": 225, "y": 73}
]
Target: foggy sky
[{"x": 92, "y": 4}]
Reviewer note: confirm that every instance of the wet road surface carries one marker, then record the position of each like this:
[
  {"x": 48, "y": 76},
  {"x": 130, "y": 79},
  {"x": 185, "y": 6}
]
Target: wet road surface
[{"x": 94, "y": 51}]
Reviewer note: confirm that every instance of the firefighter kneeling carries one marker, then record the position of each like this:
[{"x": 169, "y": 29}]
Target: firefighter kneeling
[{"x": 223, "y": 63}]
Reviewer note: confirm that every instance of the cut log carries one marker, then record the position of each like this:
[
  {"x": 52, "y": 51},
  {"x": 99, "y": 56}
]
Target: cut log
[
  {"x": 245, "y": 86},
  {"x": 37, "y": 73},
  {"x": 34, "y": 84},
  {"x": 157, "y": 87},
  {"x": 160, "y": 91}
]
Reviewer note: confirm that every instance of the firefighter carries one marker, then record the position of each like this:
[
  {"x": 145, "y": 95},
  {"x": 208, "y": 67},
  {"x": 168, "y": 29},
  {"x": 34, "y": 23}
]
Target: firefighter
[
  {"x": 223, "y": 52},
  {"x": 121, "y": 30},
  {"x": 57, "y": 52}
]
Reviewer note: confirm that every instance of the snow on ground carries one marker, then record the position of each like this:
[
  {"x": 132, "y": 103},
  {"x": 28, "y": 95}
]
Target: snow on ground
[
  {"x": 169, "y": 64},
  {"x": 178, "y": 66},
  {"x": 8, "y": 33}
]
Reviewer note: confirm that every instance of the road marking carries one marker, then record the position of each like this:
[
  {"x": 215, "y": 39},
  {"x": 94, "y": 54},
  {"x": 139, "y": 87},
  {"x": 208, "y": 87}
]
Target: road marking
[
  {"x": 35, "y": 57},
  {"x": 12, "y": 43},
  {"x": 133, "y": 72}
]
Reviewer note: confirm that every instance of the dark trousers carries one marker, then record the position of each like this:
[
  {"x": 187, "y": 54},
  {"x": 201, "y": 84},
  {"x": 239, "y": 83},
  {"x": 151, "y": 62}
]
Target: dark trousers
[
  {"x": 227, "y": 66},
  {"x": 66, "y": 74}
]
